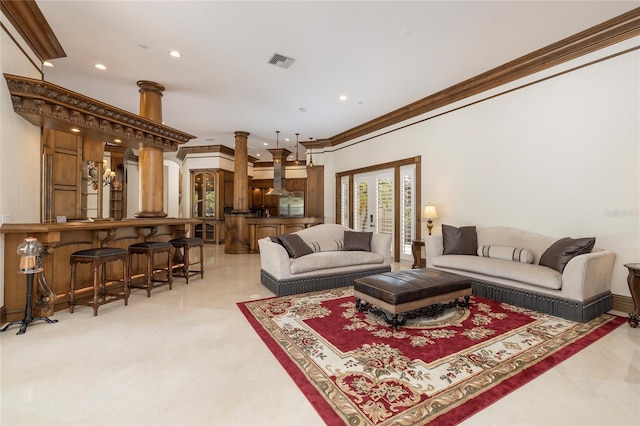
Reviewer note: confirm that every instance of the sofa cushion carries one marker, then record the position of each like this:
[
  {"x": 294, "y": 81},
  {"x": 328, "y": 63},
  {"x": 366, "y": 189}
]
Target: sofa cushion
[
  {"x": 463, "y": 240},
  {"x": 562, "y": 251},
  {"x": 513, "y": 254},
  {"x": 295, "y": 246},
  {"x": 521, "y": 272},
  {"x": 333, "y": 259},
  {"x": 358, "y": 241},
  {"x": 325, "y": 245}
]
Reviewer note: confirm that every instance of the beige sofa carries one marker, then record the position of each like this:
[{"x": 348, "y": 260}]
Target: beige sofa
[
  {"x": 327, "y": 267},
  {"x": 580, "y": 293}
]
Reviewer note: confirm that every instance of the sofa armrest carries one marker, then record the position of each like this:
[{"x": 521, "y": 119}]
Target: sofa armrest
[
  {"x": 433, "y": 248},
  {"x": 274, "y": 259},
  {"x": 588, "y": 275},
  {"x": 381, "y": 244}
]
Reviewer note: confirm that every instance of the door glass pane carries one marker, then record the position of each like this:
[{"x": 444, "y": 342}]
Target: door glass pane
[
  {"x": 344, "y": 200},
  {"x": 407, "y": 211},
  {"x": 210, "y": 197},
  {"x": 361, "y": 206},
  {"x": 384, "y": 205}
]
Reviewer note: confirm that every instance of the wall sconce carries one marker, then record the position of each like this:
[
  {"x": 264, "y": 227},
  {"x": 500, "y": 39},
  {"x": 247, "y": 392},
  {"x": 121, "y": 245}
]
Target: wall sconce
[
  {"x": 430, "y": 213},
  {"x": 108, "y": 176}
]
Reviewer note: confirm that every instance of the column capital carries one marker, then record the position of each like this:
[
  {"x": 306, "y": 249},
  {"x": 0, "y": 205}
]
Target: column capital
[
  {"x": 241, "y": 133},
  {"x": 150, "y": 86}
]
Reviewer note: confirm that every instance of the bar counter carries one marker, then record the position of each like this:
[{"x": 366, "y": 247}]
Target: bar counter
[
  {"x": 60, "y": 240},
  {"x": 261, "y": 227}
]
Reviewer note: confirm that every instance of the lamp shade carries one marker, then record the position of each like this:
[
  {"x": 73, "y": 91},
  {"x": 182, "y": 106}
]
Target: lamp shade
[{"x": 430, "y": 212}]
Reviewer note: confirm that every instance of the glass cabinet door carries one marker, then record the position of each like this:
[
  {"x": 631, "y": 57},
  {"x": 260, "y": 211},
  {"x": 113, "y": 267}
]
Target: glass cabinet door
[{"x": 210, "y": 196}]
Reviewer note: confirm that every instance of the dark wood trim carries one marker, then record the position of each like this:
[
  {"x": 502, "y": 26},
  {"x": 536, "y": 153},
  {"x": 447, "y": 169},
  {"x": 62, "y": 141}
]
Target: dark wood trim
[
  {"x": 28, "y": 20},
  {"x": 622, "y": 303},
  {"x": 208, "y": 149},
  {"x": 269, "y": 164},
  {"x": 389, "y": 165},
  {"x": 418, "y": 197},
  {"x": 600, "y": 36},
  {"x": 3, "y": 314},
  {"x": 395, "y": 165},
  {"x": 47, "y": 105}
]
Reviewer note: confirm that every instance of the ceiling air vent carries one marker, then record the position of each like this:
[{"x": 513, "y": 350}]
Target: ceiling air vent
[{"x": 281, "y": 61}]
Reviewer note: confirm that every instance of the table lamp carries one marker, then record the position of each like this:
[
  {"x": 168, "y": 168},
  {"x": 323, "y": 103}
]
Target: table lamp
[{"x": 430, "y": 213}]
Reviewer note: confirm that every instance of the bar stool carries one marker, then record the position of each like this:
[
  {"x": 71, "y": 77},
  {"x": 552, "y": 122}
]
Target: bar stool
[
  {"x": 186, "y": 244},
  {"x": 150, "y": 249},
  {"x": 100, "y": 257}
]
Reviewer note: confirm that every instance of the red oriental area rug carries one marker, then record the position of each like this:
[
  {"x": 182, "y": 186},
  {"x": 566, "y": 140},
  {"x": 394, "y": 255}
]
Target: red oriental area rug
[{"x": 355, "y": 369}]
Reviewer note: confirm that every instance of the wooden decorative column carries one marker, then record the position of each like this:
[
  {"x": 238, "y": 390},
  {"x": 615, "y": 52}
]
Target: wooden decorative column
[
  {"x": 237, "y": 240},
  {"x": 240, "y": 174},
  {"x": 151, "y": 166}
]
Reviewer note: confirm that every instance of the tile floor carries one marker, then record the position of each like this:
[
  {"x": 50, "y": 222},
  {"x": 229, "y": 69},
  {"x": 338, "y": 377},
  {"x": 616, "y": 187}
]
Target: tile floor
[{"x": 189, "y": 357}]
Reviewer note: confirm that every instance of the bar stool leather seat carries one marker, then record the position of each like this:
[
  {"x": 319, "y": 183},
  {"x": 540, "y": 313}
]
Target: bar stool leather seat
[
  {"x": 150, "y": 249},
  {"x": 99, "y": 257},
  {"x": 186, "y": 244}
]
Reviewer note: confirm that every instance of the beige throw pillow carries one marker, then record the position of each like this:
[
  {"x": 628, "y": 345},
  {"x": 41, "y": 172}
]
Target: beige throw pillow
[{"x": 513, "y": 254}]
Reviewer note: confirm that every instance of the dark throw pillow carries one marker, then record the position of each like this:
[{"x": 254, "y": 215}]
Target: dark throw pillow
[
  {"x": 357, "y": 241},
  {"x": 463, "y": 240},
  {"x": 295, "y": 245},
  {"x": 562, "y": 251}
]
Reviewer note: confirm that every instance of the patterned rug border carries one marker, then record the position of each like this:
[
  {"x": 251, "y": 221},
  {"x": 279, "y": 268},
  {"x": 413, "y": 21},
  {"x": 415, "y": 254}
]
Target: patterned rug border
[{"x": 453, "y": 416}]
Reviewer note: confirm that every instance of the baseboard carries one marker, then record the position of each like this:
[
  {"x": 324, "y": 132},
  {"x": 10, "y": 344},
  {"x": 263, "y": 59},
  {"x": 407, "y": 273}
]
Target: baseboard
[{"x": 622, "y": 303}]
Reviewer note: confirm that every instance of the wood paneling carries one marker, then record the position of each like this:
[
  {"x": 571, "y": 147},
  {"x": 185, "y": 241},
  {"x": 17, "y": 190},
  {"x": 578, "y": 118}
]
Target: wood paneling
[
  {"x": 62, "y": 171},
  {"x": 314, "y": 203},
  {"x": 61, "y": 240},
  {"x": 262, "y": 227}
]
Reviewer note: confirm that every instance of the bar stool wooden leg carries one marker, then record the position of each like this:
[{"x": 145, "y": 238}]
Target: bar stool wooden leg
[
  {"x": 72, "y": 294},
  {"x": 96, "y": 290}
]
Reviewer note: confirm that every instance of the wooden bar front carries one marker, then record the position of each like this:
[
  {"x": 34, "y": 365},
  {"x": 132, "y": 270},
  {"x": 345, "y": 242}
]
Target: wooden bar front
[
  {"x": 60, "y": 241},
  {"x": 261, "y": 227}
]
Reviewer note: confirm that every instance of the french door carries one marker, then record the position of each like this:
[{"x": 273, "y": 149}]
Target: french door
[
  {"x": 382, "y": 199},
  {"x": 373, "y": 202}
]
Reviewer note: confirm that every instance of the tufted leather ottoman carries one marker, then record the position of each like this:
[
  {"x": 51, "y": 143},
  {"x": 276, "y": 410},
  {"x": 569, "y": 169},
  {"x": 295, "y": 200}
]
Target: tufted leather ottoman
[{"x": 409, "y": 291}]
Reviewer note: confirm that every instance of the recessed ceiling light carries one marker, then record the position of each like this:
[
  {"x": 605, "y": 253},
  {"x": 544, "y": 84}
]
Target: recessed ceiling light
[
  {"x": 100, "y": 67},
  {"x": 175, "y": 54},
  {"x": 302, "y": 109},
  {"x": 47, "y": 64},
  {"x": 265, "y": 144},
  {"x": 257, "y": 155},
  {"x": 343, "y": 98},
  {"x": 286, "y": 139},
  {"x": 143, "y": 46},
  {"x": 117, "y": 140},
  {"x": 75, "y": 130}
]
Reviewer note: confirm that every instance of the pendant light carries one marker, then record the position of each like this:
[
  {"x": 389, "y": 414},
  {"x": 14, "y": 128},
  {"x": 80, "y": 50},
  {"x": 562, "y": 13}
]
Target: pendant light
[
  {"x": 310, "y": 152},
  {"x": 297, "y": 161}
]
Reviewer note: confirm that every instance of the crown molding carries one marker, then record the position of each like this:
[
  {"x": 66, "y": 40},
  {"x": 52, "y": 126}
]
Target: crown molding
[
  {"x": 47, "y": 105},
  {"x": 610, "y": 32},
  {"x": 28, "y": 20},
  {"x": 206, "y": 149}
]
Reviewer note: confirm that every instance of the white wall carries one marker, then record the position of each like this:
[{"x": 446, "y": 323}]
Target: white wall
[
  {"x": 20, "y": 158},
  {"x": 171, "y": 182},
  {"x": 560, "y": 158}
]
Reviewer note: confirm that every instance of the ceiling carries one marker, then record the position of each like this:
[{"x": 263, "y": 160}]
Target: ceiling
[{"x": 381, "y": 55}]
